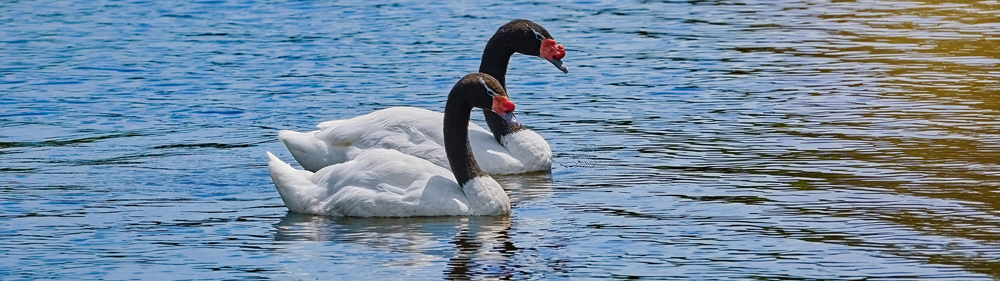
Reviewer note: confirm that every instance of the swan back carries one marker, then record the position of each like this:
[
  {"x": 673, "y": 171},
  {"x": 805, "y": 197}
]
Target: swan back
[{"x": 410, "y": 130}]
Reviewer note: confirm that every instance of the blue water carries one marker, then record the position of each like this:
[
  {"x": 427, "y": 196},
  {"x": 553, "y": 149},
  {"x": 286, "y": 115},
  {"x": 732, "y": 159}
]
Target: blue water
[{"x": 748, "y": 140}]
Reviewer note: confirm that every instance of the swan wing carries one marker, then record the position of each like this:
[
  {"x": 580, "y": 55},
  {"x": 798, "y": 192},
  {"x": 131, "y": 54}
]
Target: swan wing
[
  {"x": 412, "y": 131},
  {"x": 377, "y": 183},
  {"x": 417, "y": 132}
]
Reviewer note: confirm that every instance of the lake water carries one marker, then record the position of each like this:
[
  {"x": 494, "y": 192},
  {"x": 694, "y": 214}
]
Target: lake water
[{"x": 726, "y": 139}]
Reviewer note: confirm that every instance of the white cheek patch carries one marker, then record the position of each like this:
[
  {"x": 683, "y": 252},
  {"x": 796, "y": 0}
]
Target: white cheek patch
[
  {"x": 487, "y": 86},
  {"x": 538, "y": 36}
]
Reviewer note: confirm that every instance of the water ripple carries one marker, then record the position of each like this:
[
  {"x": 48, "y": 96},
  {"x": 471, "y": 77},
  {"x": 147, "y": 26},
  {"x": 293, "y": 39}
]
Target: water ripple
[{"x": 693, "y": 139}]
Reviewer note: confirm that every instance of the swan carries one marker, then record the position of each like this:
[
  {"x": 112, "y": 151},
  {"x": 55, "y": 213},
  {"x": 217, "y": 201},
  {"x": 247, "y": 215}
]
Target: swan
[
  {"x": 509, "y": 149},
  {"x": 388, "y": 183}
]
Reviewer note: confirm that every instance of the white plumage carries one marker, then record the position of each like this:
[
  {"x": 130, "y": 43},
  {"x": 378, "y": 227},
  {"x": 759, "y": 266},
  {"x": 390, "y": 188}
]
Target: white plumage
[
  {"x": 416, "y": 132},
  {"x": 385, "y": 183},
  {"x": 380, "y": 182}
]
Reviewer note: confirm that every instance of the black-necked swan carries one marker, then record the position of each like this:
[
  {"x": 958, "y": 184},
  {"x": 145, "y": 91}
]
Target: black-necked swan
[
  {"x": 509, "y": 149},
  {"x": 388, "y": 183}
]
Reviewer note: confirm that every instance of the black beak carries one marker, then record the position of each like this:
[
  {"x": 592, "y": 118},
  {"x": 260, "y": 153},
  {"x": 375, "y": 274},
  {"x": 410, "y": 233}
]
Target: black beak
[
  {"x": 510, "y": 119},
  {"x": 559, "y": 64}
]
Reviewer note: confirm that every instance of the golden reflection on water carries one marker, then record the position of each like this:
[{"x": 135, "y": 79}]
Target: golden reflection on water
[
  {"x": 941, "y": 57},
  {"x": 940, "y": 48},
  {"x": 909, "y": 128},
  {"x": 932, "y": 128}
]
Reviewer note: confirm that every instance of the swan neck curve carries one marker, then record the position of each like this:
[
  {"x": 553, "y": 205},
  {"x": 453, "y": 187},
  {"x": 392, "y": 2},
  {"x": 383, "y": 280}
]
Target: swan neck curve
[
  {"x": 496, "y": 57},
  {"x": 457, "y": 112}
]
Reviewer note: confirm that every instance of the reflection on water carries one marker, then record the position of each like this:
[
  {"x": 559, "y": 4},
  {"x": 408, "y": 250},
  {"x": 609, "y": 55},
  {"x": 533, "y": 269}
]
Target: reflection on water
[
  {"x": 711, "y": 139},
  {"x": 525, "y": 188},
  {"x": 470, "y": 246},
  {"x": 479, "y": 247},
  {"x": 865, "y": 124}
]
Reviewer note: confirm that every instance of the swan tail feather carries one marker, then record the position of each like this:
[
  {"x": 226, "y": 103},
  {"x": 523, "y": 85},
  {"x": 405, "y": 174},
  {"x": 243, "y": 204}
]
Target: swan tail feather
[
  {"x": 293, "y": 185},
  {"x": 311, "y": 152}
]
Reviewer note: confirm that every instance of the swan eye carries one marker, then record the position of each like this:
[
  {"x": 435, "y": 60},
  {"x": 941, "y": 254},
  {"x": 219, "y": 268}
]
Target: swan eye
[
  {"x": 489, "y": 90},
  {"x": 538, "y": 36}
]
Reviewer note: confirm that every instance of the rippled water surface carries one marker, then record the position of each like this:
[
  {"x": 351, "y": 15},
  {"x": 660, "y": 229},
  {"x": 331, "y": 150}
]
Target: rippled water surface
[{"x": 740, "y": 139}]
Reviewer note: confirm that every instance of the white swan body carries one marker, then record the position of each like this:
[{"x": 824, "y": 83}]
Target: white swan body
[
  {"x": 377, "y": 182},
  {"x": 385, "y": 183},
  {"x": 416, "y": 132}
]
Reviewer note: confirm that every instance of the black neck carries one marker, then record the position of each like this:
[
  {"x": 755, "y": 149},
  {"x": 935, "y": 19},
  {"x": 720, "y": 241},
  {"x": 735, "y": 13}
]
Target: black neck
[
  {"x": 456, "y": 139},
  {"x": 495, "y": 61}
]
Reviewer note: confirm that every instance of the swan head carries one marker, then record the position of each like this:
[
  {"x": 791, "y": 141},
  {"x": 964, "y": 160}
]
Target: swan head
[
  {"x": 486, "y": 92},
  {"x": 531, "y": 39},
  {"x": 500, "y": 104}
]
